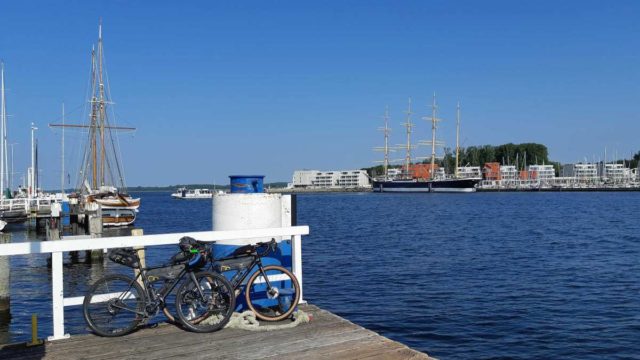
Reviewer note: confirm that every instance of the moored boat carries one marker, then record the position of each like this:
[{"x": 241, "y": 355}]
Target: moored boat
[
  {"x": 192, "y": 194},
  {"x": 101, "y": 185},
  {"x": 408, "y": 180}
]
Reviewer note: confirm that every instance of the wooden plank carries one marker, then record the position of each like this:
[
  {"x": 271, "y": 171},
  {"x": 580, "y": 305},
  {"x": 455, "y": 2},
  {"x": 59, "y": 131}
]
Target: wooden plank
[{"x": 327, "y": 336}]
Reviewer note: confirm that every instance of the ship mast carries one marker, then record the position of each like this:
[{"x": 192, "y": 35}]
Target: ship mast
[
  {"x": 102, "y": 112},
  {"x": 409, "y": 126},
  {"x": 62, "y": 154},
  {"x": 94, "y": 120},
  {"x": 386, "y": 141},
  {"x": 100, "y": 158},
  {"x": 3, "y": 119},
  {"x": 457, "y": 137},
  {"x": 385, "y": 149},
  {"x": 434, "y": 119}
]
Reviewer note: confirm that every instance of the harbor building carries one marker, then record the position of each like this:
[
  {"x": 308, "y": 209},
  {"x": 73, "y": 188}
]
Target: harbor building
[
  {"x": 508, "y": 172},
  {"x": 617, "y": 173},
  {"x": 316, "y": 179},
  {"x": 585, "y": 173},
  {"x": 470, "y": 172},
  {"x": 542, "y": 172}
]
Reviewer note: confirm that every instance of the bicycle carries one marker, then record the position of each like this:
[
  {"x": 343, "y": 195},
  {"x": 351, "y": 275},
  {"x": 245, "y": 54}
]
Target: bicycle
[
  {"x": 116, "y": 304},
  {"x": 272, "y": 292}
]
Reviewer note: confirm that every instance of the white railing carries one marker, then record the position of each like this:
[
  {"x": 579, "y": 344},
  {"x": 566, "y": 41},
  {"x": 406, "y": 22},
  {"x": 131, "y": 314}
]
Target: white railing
[
  {"x": 13, "y": 204},
  {"x": 58, "y": 247}
]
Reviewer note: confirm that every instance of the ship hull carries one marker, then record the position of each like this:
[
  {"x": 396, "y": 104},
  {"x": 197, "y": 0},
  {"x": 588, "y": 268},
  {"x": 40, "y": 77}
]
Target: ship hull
[{"x": 432, "y": 186}]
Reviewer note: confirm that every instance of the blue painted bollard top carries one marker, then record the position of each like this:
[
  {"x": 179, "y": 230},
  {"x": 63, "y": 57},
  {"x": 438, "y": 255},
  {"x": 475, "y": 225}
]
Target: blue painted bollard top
[{"x": 247, "y": 184}]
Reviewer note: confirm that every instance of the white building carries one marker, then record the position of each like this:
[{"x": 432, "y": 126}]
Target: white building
[
  {"x": 330, "y": 179},
  {"x": 542, "y": 172},
  {"x": 617, "y": 173},
  {"x": 473, "y": 172},
  {"x": 586, "y": 173},
  {"x": 508, "y": 172}
]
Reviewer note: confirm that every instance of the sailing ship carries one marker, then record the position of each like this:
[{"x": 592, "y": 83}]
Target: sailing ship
[
  {"x": 101, "y": 184},
  {"x": 436, "y": 180}
]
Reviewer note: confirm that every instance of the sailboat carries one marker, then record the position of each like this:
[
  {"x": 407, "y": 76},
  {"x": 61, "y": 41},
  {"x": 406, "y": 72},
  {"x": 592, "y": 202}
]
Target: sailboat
[
  {"x": 436, "y": 182},
  {"x": 11, "y": 210},
  {"x": 101, "y": 183}
]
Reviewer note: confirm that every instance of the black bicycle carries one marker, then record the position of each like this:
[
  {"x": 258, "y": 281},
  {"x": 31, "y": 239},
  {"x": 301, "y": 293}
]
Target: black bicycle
[
  {"x": 116, "y": 304},
  {"x": 272, "y": 292}
]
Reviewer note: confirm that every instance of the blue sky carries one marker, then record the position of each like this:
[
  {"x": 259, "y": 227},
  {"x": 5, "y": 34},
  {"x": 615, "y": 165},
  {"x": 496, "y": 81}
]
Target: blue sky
[{"x": 222, "y": 88}]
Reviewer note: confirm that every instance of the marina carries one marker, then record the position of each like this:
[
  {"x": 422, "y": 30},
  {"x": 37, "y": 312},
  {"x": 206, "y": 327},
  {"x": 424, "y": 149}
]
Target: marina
[{"x": 497, "y": 221}]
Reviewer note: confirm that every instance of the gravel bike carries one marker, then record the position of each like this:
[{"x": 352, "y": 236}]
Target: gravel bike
[
  {"x": 116, "y": 304},
  {"x": 272, "y": 292}
]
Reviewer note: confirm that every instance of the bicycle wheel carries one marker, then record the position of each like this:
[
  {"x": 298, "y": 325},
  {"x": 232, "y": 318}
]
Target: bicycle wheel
[
  {"x": 114, "y": 305},
  {"x": 276, "y": 302},
  {"x": 207, "y": 304}
]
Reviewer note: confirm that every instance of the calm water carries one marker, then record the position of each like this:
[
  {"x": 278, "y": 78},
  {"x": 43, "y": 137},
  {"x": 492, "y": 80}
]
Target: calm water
[{"x": 500, "y": 275}]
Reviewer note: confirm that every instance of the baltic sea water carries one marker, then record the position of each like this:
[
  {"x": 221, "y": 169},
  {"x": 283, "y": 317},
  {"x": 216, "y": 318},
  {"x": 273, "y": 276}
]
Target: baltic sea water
[{"x": 485, "y": 275}]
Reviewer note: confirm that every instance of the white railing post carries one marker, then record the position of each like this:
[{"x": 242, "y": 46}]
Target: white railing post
[
  {"x": 296, "y": 261},
  {"x": 57, "y": 296}
]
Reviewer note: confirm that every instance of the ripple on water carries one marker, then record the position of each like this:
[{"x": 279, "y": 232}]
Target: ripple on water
[{"x": 492, "y": 276}]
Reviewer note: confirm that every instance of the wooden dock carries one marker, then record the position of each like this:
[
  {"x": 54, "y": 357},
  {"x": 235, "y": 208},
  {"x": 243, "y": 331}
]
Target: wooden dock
[{"x": 327, "y": 336}]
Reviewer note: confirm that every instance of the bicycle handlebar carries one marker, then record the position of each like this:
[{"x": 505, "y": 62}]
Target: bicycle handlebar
[{"x": 270, "y": 246}]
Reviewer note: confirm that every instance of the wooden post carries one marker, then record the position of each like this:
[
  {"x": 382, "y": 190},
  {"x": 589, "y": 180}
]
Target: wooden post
[
  {"x": 95, "y": 229},
  {"x": 5, "y": 275},
  {"x": 140, "y": 251}
]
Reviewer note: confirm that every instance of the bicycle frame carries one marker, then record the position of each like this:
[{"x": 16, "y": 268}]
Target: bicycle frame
[{"x": 157, "y": 298}]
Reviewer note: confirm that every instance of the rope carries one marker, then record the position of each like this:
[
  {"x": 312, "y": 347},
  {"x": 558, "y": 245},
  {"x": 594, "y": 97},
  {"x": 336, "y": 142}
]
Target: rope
[{"x": 247, "y": 321}]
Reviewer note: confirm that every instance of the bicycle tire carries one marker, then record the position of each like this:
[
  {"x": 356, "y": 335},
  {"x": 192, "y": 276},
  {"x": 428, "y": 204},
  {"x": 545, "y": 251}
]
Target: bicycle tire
[
  {"x": 277, "y": 303},
  {"x": 206, "y": 314},
  {"x": 100, "y": 315}
]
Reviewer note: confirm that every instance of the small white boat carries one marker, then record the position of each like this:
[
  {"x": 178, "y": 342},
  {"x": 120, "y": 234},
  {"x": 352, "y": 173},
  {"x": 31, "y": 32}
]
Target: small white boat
[
  {"x": 192, "y": 194},
  {"x": 2, "y": 224}
]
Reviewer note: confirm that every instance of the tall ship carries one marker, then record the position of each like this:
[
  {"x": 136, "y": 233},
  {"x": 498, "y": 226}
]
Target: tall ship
[
  {"x": 101, "y": 184},
  {"x": 421, "y": 177}
]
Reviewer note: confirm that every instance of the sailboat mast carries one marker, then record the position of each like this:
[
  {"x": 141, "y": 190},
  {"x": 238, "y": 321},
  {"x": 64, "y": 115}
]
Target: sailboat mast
[
  {"x": 62, "y": 154},
  {"x": 457, "y": 137},
  {"x": 433, "y": 137},
  {"x": 408, "y": 125},
  {"x": 3, "y": 119},
  {"x": 94, "y": 119},
  {"x": 102, "y": 113},
  {"x": 34, "y": 190}
]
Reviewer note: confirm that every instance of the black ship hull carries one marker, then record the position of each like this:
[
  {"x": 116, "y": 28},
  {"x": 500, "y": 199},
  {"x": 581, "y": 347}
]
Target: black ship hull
[{"x": 431, "y": 186}]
